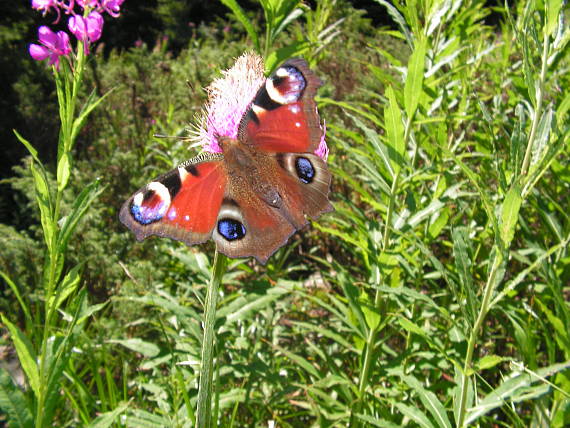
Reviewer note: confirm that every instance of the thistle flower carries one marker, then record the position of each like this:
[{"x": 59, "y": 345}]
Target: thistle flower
[{"x": 229, "y": 97}]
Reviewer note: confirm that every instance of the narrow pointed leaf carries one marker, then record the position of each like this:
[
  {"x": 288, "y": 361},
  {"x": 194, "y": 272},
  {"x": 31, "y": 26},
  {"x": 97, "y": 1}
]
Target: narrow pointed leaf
[
  {"x": 414, "y": 78},
  {"x": 26, "y": 355},
  {"x": 510, "y": 214}
]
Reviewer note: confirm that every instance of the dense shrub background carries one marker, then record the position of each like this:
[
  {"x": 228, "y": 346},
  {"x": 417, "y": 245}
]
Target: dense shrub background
[{"x": 365, "y": 318}]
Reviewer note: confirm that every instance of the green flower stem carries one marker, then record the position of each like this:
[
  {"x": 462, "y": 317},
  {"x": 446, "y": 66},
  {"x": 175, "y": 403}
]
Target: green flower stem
[
  {"x": 68, "y": 82},
  {"x": 538, "y": 109},
  {"x": 203, "y": 413},
  {"x": 474, "y": 336},
  {"x": 372, "y": 333}
]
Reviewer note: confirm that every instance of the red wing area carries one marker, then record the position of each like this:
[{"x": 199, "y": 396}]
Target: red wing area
[
  {"x": 195, "y": 207},
  {"x": 182, "y": 204},
  {"x": 284, "y": 129}
]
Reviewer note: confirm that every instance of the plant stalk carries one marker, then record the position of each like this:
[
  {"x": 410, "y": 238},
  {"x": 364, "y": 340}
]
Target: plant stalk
[
  {"x": 538, "y": 108},
  {"x": 474, "y": 335},
  {"x": 204, "y": 410}
]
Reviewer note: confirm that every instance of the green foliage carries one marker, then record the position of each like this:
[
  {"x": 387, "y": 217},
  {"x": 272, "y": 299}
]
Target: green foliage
[{"x": 435, "y": 295}]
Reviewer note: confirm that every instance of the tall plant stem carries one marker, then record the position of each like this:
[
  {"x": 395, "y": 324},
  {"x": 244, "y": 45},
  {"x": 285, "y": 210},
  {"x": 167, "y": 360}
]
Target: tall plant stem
[
  {"x": 67, "y": 86},
  {"x": 204, "y": 414},
  {"x": 474, "y": 335},
  {"x": 373, "y": 331},
  {"x": 538, "y": 108}
]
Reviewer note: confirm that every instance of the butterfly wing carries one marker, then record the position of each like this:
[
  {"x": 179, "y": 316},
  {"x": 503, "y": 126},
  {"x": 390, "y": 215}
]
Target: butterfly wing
[
  {"x": 247, "y": 226},
  {"x": 254, "y": 197},
  {"x": 182, "y": 204},
  {"x": 283, "y": 115}
]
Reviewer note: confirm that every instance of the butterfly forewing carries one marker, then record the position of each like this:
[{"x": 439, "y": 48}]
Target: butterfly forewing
[{"x": 283, "y": 115}]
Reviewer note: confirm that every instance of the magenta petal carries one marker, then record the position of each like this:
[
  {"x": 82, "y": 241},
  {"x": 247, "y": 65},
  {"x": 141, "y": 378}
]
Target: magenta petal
[
  {"x": 54, "y": 60},
  {"x": 78, "y": 28},
  {"x": 47, "y": 37},
  {"x": 94, "y": 26},
  {"x": 63, "y": 46},
  {"x": 37, "y": 52},
  {"x": 42, "y": 4}
]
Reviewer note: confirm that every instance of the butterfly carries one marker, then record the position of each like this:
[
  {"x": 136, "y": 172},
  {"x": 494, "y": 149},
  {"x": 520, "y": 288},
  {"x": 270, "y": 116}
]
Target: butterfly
[{"x": 260, "y": 190}]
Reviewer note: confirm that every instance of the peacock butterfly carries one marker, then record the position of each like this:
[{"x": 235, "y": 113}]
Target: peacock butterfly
[{"x": 255, "y": 194}]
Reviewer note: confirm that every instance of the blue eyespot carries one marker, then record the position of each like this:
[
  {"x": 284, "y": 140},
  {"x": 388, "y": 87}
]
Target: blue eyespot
[
  {"x": 151, "y": 209},
  {"x": 305, "y": 170},
  {"x": 231, "y": 229}
]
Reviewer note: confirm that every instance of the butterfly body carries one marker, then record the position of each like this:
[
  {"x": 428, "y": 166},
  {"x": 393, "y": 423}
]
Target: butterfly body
[{"x": 254, "y": 195}]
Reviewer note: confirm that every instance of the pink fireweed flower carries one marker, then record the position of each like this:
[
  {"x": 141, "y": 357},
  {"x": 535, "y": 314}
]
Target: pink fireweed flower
[
  {"x": 87, "y": 29},
  {"x": 44, "y": 6},
  {"x": 52, "y": 45},
  {"x": 229, "y": 97},
  {"x": 84, "y": 4},
  {"x": 112, "y": 7}
]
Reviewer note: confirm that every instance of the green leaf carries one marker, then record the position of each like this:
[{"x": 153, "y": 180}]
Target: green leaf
[
  {"x": 463, "y": 265},
  {"x": 28, "y": 146},
  {"x": 90, "y": 104},
  {"x": 301, "y": 362},
  {"x": 243, "y": 19},
  {"x": 510, "y": 214},
  {"x": 414, "y": 414},
  {"x": 78, "y": 210},
  {"x": 63, "y": 171},
  {"x": 147, "y": 349},
  {"x": 13, "y": 403},
  {"x": 553, "y": 10},
  {"x": 408, "y": 325},
  {"x": 559, "y": 330},
  {"x": 108, "y": 418},
  {"x": 397, "y": 16},
  {"x": 489, "y": 361},
  {"x": 26, "y": 355},
  {"x": 43, "y": 198},
  {"x": 16, "y": 290},
  {"x": 394, "y": 131},
  {"x": 67, "y": 287},
  {"x": 540, "y": 144},
  {"x": 515, "y": 389},
  {"x": 429, "y": 400},
  {"x": 280, "y": 55},
  {"x": 286, "y": 21},
  {"x": 90, "y": 310},
  {"x": 414, "y": 78},
  {"x": 371, "y": 315}
]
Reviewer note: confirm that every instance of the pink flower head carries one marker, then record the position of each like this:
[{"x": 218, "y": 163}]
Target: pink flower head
[
  {"x": 229, "y": 97},
  {"x": 87, "y": 29},
  {"x": 52, "y": 45},
  {"x": 112, "y": 7},
  {"x": 87, "y": 3},
  {"x": 45, "y": 5}
]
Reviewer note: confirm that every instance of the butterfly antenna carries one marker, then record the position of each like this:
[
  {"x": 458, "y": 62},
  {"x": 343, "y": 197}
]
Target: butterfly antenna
[{"x": 178, "y": 137}]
